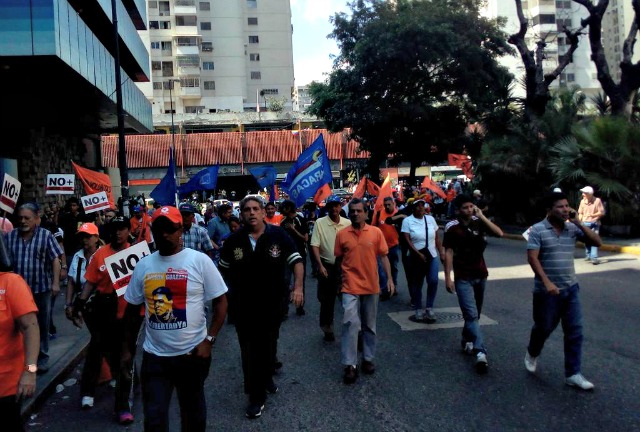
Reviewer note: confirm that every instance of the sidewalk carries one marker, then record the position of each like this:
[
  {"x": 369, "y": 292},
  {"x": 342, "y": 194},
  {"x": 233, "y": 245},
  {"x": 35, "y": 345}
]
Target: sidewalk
[{"x": 67, "y": 350}]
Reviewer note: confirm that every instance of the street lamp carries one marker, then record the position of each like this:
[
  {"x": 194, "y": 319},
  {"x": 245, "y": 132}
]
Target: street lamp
[{"x": 171, "y": 82}]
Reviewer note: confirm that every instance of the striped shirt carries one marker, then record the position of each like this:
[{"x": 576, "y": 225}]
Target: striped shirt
[
  {"x": 556, "y": 253},
  {"x": 197, "y": 238},
  {"x": 33, "y": 259}
]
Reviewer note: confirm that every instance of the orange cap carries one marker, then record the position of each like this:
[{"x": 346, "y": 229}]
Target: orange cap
[
  {"x": 170, "y": 212},
  {"x": 88, "y": 228}
]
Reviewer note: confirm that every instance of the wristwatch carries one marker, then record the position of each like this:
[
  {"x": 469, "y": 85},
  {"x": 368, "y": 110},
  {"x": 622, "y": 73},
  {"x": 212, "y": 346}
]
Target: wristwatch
[
  {"x": 63, "y": 267},
  {"x": 32, "y": 368},
  {"x": 211, "y": 339}
]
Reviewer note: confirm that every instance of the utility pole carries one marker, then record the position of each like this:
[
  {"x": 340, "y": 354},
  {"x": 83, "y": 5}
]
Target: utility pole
[{"x": 122, "y": 146}]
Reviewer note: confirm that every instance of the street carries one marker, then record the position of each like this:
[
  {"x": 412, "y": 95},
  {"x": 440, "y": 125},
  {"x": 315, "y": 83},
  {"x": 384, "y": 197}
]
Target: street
[{"x": 423, "y": 381}]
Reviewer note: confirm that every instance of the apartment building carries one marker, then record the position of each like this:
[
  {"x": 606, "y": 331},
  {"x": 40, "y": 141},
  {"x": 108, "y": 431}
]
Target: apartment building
[
  {"x": 302, "y": 99},
  {"x": 616, "y": 24},
  {"x": 218, "y": 55}
]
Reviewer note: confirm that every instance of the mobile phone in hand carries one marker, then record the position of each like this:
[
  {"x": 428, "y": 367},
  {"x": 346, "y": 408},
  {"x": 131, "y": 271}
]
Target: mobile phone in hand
[{"x": 572, "y": 215}]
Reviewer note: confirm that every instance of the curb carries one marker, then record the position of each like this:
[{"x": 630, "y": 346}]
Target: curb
[{"x": 635, "y": 250}]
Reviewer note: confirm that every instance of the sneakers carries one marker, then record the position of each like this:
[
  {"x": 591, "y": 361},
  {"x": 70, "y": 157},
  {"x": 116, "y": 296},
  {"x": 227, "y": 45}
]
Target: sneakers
[
  {"x": 125, "y": 418},
  {"x": 579, "y": 381},
  {"x": 254, "y": 411},
  {"x": 467, "y": 347},
  {"x": 530, "y": 362},
  {"x": 419, "y": 316},
  {"x": 368, "y": 367},
  {"x": 482, "y": 365},
  {"x": 87, "y": 402},
  {"x": 429, "y": 316},
  {"x": 112, "y": 384},
  {"x": 595, "y": 261},
  {"x": 272, "y": 388},
  {"x": 350, "y": 374},
  {"x": 587, "y": 258}
]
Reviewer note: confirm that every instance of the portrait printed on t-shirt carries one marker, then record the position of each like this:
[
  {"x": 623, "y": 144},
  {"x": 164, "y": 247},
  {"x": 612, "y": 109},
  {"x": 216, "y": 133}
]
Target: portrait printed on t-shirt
[{"x": 166, "y": 297}]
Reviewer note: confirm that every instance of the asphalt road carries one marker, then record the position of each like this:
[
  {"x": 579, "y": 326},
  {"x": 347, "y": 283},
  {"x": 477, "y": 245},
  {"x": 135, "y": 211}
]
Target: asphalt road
[{"x": 423, "y": 381}]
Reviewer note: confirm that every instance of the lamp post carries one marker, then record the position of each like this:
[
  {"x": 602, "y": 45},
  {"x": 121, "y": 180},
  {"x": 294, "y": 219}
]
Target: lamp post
[{"x": 173, "y": 132}]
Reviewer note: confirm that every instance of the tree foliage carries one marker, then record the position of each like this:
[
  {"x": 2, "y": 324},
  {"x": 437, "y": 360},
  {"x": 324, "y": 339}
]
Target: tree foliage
[{"x": 411, "y": 75}]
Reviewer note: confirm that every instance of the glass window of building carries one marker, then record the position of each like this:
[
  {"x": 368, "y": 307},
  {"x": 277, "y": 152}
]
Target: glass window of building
[
  {"x": 252, "y": 21},
  {"x": 252, "y": 4},
  {"x": 205, "y": 26},
  {"x": 254, "y": 57},
  {"x": 207, "y": 46},
  {"x": 207, "y": 65},
  {"x": 254, "y": 39},
  {"x": 204, "y": 6},
  {"x": 209, "y": 85},
  {"x": 187, "y": 20},
  {"x": 256, "y": 75}
]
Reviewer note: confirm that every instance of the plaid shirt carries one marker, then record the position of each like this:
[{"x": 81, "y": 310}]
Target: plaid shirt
[
  {"x": 197, "y": 238},
  {"x": 33, "y": 259}
]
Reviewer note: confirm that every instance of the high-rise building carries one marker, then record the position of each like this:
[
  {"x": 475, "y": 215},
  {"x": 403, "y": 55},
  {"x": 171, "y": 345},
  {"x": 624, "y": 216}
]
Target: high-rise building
[
  {"x": 218, "y": 55},
  {"x": 616, "y": 24},
  {"x": 547, "y": 20}
]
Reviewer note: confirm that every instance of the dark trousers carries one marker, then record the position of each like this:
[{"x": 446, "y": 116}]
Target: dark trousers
[
  {"x": 43, "y": 302},
  {"x": 185, "y": 373},
  {"x": 327, "y": 291},
  {"x": 258, "y": 348},
  {"x": 406, "y": 262},
  {"x": 10, "y": 414}
]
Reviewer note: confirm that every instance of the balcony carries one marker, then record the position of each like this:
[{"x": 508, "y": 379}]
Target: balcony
[
  {"x": 186, "y": 31},
  {"x": 188, "y": 70},
  {"x": 185, "y": 10},
  {"x": 187, "y": 50},
  {"x": 189, "y": 92}
]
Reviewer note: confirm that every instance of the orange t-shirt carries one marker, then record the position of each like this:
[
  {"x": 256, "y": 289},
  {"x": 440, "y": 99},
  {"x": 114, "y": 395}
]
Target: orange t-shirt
[
  {"x": 389, "y": 231},
  {"x": 359, "y": 250},
  {"x": 145, "y": 230},
  {"x": 275, "y": 220},
  {"x": 98, "y": 275},
  {"x": 16, "y": 300}
]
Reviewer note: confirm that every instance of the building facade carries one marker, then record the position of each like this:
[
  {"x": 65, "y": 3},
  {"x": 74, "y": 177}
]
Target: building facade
[
  {"x": 616, "y": 25},
  {"x": 218, "y": 55}
]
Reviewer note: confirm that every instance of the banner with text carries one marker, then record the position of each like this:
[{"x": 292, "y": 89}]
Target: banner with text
[
  {"x": 94, "y": 202},
  {"x": 60, "y": 184},
  {"x": 120, "y": 266},
  {"x": 10, "y": 193}
]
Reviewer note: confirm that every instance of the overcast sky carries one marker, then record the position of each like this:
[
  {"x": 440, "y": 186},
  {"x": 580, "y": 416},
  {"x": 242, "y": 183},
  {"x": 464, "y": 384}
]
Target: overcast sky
[{"x": 311, "y": 48}]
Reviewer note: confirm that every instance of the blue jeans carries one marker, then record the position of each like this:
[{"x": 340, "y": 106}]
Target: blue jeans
[
  {"x": 159, "y": 376},
  {"x": 590, "y": 250},
  {"x": 548, "y": 311},
  {"x": 420, "y": 270},
  {"x": 470, "y": 298},
  {"x": 394, "y": 257},
  {"x": 359, "y": 314}
]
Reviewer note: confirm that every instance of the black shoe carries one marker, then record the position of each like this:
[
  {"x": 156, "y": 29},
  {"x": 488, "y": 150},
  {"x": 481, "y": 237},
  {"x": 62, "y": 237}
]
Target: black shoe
[
  {"x": 368, "y": 367},
  {"x": 385, "y": 296},
  {"x": 254, "y": 411},
  {"x": 277, "y": 366},
  {"x": 272, "y": 388},
  {"x": 350, "y": 375},
  {"x": 300, "y": 311},
  {"x": 329, "y": 337}
]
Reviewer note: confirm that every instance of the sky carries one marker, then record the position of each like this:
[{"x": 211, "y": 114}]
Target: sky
[{"x": 311, "y": 48}]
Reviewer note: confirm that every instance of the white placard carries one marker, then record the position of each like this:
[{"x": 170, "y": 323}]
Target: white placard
[
  {"x": 94, "y": 202},
  {"x": 60, "y": 184},
  {"x": 10, "y": 193},
  {"x": 526, "y": 234},
  {"x": 120, "y": 266}
]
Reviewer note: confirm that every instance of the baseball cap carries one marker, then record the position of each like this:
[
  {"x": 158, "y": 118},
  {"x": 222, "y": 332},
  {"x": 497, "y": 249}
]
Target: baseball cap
[
  {"x": 420, "y": 200},
  {"x": 119, "y": 222},
  {"x": 88, "y": 228},
  {"x": 557, "y": 190},
  {"x": 477, "y": 192},
  {"x": 187, "y": 208},
  {"x": 136, "y": 208},
  {"x": 170, "y": 212},
  {"x": 587, "y": 190}
]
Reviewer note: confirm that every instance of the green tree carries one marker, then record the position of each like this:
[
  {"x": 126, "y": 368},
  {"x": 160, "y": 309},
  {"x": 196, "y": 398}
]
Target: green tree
[{"x": 411, "y": 75}]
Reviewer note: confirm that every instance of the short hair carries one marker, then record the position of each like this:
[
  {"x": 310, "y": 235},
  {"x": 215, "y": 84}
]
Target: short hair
[
  {"x": 224, "y": 207},
  {"x": 246, "y": 199},
  {"x": 388, "y": 199},
  {"x": 462, "y": 199},
  {"x": 34, "y": 207},
  {"x": 270, "y": 203},
  {"x": 356, "y": 201},
  {"x": 550, "y": 199},
  {"x": 73, "y": 200},
  {"x": 287, "y": 204},
  {"x": 234, "y": 219}
]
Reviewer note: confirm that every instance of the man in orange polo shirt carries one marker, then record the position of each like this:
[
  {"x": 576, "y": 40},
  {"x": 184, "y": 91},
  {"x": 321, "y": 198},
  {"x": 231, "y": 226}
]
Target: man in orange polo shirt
[
  {"x": 272, "y": 218},
  {"x": 357, "y": 248}
]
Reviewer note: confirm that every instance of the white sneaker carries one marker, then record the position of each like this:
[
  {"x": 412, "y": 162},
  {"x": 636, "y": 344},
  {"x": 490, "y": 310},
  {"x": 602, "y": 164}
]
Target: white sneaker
[
  {"x": 579, "y": 381},
  {"x": 482, "y": 365},
  {"x": 530, "y": 362},
  {"x": 112, "y": 384},
  {"x": 87, "y": 402},
  {"x": 468, "y": 348}
]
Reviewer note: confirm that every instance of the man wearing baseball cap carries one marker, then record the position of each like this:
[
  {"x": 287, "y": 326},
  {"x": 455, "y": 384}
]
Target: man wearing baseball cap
[
  {"x": 590, "y": 212},
  {"x": 140, "y": 225},
  {"x": 177, "y": 346},
  {"x": 193, "y": 235}
]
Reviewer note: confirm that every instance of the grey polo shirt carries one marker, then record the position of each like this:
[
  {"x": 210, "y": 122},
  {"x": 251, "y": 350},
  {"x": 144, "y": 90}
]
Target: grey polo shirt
[{"x": 556, "y": 253}]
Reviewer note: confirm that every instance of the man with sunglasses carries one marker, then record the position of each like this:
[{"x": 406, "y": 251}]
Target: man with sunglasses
[{"x": 175, "y": 282}]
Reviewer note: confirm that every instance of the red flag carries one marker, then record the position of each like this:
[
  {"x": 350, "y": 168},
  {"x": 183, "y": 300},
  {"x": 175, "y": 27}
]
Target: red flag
[
  {"x": 360, "y": 189},
  {"x": 372, "y": 188},
  {"x": 385, "y": 191},
  {"x": 467, "y": 169},
  {"x": 457, "y": 159},
  {"x": 322, "y": 193},
  {"x": 427, "y": 183},
  {"x": 94, "y": 182}
]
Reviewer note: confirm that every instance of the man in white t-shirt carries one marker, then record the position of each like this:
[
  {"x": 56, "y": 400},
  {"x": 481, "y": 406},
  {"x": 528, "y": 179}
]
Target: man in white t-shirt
[{"x": 175, "y": 283}]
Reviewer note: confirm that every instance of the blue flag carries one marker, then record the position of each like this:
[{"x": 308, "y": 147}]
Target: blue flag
[
  {"x": 165, "y": 192},
  {"x": 311, "y": 171},
  {"x": 266, "y": 178},
  {"x": 204, "y": 179}
]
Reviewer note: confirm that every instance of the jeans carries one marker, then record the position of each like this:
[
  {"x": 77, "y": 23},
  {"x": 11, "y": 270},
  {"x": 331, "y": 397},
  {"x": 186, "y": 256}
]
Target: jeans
[
  {"x": 470, "y": 298},
  {"x": 327, "y": 291},
  {"x": 258, "y": 349},
  {"x": 359, "y": 314},
  {"x": 160, "y": 375},
  {"x": 393, "y": 263},
  {"x": 420, "y": 270},
  {"x": 548, "y": 311},
  {"x": 43, "y": 302},
  {"x": 591, "y": 251}
]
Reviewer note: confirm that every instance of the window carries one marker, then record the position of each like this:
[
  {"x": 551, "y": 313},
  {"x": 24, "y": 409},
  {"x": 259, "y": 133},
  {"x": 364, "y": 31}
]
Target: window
[
  {"x": 544, "y": 19},
  {"x": 188, "y": 61},
  {"x": 252, "y": 4},
  {"x": 204, "y": 6},
  {"x": 252, "y": 21},
  {"x": 270, "y": 91},
  {"x": 208, "y": 65},
  {"x": 193, "y": 109},
  {"x": 157, "y": 86},
  {"x": 254, "y": 57},
  {"x": 154, "y": 25},
  {"x": 166, "y": 45},
  {"x": 256, "y": 75},
  {"x": 562, "y": 23},
  {"x": 155, "y": 45},
  {"x": 188, "y": 20},
  {"x": 164, "y": 8},
  {"x": 167, "y": 69},
  {"x": 571, "y": 77},
  {"x": 254, "y": 39},
  {"x": 190, "y": 82},
  {"x": 168, "y": 85},
  {"x": 205, "y": 26},
  {"x": 187, "y": 41},
  {"x": 156, "y": 65},
  {"x": 209, "y": 85},
  {"x": 207, "y": 46},
  {"x": 165, "y": 25},
  {"x": 153, "y": 5}
]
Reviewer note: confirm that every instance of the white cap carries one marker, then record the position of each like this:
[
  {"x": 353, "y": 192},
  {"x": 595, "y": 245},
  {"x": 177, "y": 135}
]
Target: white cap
[
  {"x": 477, "y": 192},
  {"x": 558, "y": 190},
  {"x": 587, "y": 190}
]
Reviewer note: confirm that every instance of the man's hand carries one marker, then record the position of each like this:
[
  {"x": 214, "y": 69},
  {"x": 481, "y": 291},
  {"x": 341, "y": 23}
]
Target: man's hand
[
  {"x": 297, "y": 296},
  {"x": 203, "y": 349},
  {"x": 576, "y": 218},
  {"x": 63, "y": 273},
  {"x": 391, "y": 288},
  {"x": 552, "y": 289},
  {"x": 450, "y": 286},
  {"x": 323, "y": 271},
  {"x": 422, "y": 257},
  {"x": 26, "y": 385},
  {"x": 55, "y": 289}
]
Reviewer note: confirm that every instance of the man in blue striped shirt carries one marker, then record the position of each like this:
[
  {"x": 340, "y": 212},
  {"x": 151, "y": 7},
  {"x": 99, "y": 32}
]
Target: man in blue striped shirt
[
  {"x": 550, "y": 252},
  {"x": 36, "y": 257}
]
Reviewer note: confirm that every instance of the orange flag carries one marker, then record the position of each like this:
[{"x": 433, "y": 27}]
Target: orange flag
[
  {"x": 457, "y": 159},
  {"x": 322, "y": 193},
  {"x": 94, "y": 182},
  {"x": 361, "y": 188},
  {"x": 385, "y": 191},
  {"x": 372, "y": 188},
  {"x": 427, "y": 183}
]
